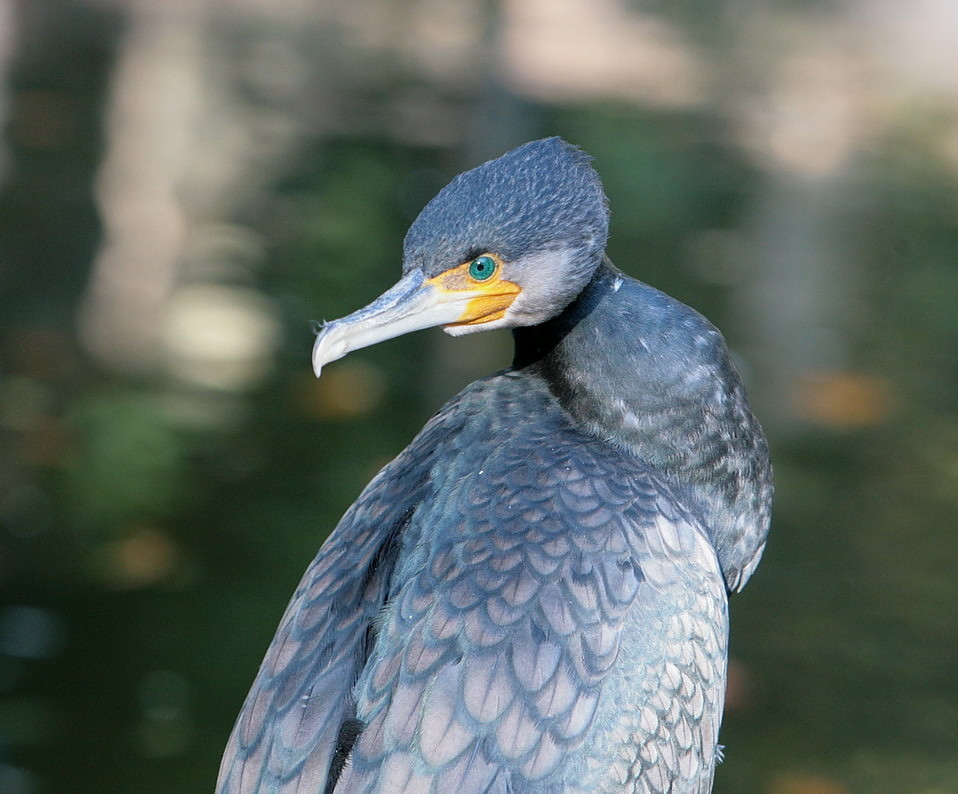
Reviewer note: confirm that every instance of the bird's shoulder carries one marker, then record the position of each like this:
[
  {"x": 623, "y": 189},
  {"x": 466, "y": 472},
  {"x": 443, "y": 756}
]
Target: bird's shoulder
[{"x": 504, "y": 534}]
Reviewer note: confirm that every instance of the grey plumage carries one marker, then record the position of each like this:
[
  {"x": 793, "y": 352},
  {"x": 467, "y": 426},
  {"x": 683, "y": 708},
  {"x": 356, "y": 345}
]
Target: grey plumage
[{"x": 532, "y": 596}]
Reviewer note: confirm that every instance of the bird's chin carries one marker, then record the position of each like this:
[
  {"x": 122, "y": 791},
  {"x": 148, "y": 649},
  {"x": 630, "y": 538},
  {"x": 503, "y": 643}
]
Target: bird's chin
[{"x": 461, "y": 329}]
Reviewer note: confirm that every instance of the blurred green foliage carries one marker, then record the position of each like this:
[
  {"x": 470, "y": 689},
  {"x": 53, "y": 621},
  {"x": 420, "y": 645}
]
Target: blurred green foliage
[{"x": 127, "y": 462}]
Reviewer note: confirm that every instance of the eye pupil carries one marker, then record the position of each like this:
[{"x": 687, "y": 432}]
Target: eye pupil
[{"x": 482, "y": 267}]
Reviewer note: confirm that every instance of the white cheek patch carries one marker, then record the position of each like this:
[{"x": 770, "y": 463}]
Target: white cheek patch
[{"x": 546, "y": 287}]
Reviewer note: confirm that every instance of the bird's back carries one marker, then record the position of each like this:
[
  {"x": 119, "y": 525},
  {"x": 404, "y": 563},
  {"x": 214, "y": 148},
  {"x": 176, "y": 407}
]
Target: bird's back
[{"x": 511, "y": 605}]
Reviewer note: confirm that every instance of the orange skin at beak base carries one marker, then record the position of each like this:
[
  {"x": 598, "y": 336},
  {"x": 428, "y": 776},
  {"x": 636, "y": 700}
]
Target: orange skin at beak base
[{"x": 493, "y": 296}]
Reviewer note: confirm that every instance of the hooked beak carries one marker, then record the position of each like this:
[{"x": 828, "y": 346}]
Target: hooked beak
[{"x": 412, "y": 304}]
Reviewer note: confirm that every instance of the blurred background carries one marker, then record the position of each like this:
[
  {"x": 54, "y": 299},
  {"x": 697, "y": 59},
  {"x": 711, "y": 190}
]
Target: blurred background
[{"x": 186, "y": 185}]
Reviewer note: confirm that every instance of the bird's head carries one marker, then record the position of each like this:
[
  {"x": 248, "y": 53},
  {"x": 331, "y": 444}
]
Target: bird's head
[{"x": 510, "y": 243}]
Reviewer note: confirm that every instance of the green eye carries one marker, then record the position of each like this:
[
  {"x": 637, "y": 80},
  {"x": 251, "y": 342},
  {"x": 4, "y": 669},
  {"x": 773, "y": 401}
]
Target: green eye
[{"x": 482, "y": 267}]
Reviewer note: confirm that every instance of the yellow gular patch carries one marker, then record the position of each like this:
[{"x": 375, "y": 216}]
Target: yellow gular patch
[{"x": 492, "y": 296}]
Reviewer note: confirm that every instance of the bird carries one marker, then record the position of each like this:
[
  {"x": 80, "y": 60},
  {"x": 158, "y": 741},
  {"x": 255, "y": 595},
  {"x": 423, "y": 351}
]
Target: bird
[{"x": 532, "y": 597}]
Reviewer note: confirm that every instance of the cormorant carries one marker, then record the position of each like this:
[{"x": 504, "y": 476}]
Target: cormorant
[{"x": 532, "y": 597}]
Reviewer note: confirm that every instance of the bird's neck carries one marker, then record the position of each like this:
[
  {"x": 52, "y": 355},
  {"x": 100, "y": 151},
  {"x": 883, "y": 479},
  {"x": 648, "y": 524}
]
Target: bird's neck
[{"x": 650, "y": 375}]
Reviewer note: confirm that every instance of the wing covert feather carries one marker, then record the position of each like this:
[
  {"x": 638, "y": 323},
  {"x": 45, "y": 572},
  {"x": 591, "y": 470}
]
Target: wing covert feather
[
  {"x": 285, "y": 737},
  {"x": 530, "y": 623},
  {"x": 532, "y": 606}
]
